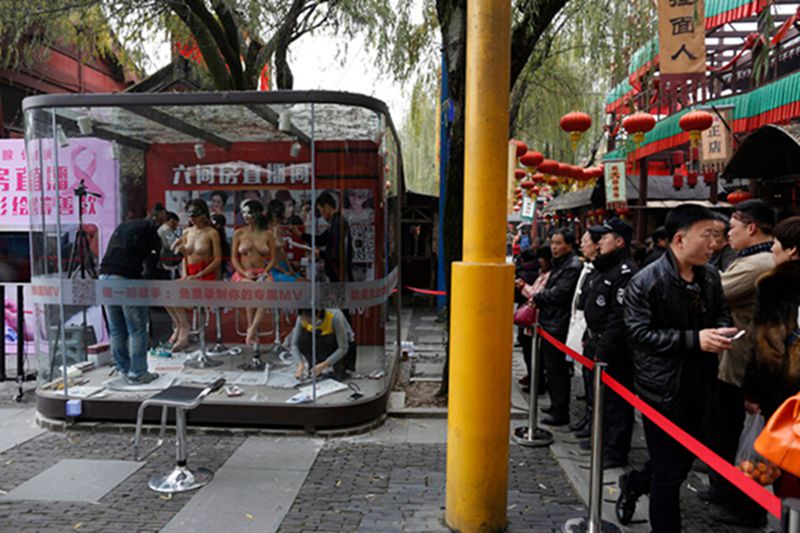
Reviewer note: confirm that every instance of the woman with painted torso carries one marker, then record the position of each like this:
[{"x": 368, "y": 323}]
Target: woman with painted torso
[
  {"x": 202, "y": 251},
  {"x": 251, "y": 252}
]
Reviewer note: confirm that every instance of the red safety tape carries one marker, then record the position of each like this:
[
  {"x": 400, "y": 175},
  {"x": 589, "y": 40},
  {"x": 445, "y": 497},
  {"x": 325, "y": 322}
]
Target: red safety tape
[
  {"x": 754, "y": 490},
  {"x": 582, "y": 359},
  {"x": 426, "y": 291}
]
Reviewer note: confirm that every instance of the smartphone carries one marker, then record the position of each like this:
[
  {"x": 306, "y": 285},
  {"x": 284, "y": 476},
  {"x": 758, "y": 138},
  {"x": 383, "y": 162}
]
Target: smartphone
[{"x": 738, "y": 335}]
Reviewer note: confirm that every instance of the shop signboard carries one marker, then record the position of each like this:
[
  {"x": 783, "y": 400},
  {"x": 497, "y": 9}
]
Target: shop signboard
[
  {"x": 716, "y": 142},
  {"x": 681, "y": 37},
  {"x": 616, "y": 195},
  {"x": 528, "y": 209}
]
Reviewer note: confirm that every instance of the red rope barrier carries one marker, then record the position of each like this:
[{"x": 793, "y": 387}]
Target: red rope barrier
[
  {"x": 426, "y": 291},
  {"x": 754, "y": 490}
]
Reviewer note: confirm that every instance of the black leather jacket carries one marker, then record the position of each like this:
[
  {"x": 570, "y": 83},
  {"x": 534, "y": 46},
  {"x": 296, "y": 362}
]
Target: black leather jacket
[
  {"x": 555, "y": 300},
  {"x": 664, "y": 315},
  {"x": 606, "y": 338}
]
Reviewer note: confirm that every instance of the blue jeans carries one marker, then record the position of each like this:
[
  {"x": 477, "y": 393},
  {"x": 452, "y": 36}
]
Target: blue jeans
[{"x": 127, "y": 326}]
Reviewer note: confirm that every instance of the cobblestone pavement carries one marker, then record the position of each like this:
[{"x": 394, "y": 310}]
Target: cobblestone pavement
[
  {"x": 129, "y": 507},
  {"x": 393, "y": 488}
]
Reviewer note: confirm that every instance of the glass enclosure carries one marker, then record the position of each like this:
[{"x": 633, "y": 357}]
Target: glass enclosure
[{"x": 253, "y": 235}]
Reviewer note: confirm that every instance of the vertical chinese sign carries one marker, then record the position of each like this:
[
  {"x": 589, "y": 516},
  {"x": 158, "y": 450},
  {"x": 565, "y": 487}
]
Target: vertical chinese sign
[
  {"x": 716, "y": 143},
  {"x": 616, "y": 195},
  {"x": 682, "y": 45},
  {"x": 681, "y": 36}
]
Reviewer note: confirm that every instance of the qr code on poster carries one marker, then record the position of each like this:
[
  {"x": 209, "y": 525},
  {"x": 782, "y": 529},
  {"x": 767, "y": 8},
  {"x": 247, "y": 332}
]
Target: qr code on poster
[
  {"x": 83, "y": 292},
  {"x": 363, "y": 237}
]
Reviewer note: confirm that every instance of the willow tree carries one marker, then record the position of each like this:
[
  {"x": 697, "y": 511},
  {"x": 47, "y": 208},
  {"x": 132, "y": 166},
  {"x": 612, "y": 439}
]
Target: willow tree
[
  {"x": 585, "y": 52},
  {"x": 235, "y": 38}
]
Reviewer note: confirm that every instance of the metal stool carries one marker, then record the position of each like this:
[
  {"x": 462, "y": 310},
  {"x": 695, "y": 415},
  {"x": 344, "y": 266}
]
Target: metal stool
[
  {"x": 182, "y": 399},
  {"x": 219, "y": 347},
  {"x": 256, "y": 363},
  {"x": 199, "y": 358}
]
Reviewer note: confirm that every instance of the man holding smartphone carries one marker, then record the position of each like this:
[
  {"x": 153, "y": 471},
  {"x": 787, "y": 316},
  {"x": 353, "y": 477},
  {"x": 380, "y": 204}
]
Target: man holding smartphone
[
  {"x": 750, "y": 235},
  {"x": 677, "y": 320}
]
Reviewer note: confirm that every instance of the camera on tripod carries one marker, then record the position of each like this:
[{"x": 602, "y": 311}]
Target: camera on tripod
[{"x": 81, "y": 190}]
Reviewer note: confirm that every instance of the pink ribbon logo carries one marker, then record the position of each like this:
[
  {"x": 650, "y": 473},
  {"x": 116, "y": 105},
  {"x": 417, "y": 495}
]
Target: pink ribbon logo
[{"x": 87, "y": 173}]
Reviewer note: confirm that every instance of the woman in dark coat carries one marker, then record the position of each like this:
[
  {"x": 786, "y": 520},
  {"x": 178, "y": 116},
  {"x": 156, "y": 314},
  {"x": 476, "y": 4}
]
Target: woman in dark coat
[{"x": 774, "y": 375}]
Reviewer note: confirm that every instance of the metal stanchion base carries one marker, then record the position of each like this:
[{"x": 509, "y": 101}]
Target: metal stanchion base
[
  {"x": 199, "y": 359},
  {"x": 279, "y": 352},
  {"x": 255, "y": 364},
  {"x": 181, "y": 479},
  {"x": 540, "y": 437},
  {"x": 580, "y": 525},
  {"x": 221, "y": 349}
]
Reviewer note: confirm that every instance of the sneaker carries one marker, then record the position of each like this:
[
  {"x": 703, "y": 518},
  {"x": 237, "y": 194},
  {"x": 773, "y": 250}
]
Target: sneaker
[{"x": 147, "y": 377}]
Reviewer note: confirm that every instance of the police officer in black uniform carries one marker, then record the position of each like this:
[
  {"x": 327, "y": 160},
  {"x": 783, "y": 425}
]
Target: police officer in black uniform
[{"x": 605, "y": 337}]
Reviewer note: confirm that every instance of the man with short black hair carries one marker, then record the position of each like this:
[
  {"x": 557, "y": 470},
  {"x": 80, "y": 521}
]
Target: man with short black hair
[
  {"x": 605, "y": 337},
  {"x": 677, "y": 319},
  {"x": 554, "y": 303},
  {"x": 750, "y": 236},
  {"x": 659, "y": 245},
  {"x": 723, "y": 253}
]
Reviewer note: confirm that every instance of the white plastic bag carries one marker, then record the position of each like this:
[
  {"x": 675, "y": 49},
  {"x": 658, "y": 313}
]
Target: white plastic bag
[{"x": 753, "y": 424}]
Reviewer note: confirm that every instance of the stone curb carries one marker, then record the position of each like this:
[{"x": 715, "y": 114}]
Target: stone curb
[{"x": 150, "y": 429}]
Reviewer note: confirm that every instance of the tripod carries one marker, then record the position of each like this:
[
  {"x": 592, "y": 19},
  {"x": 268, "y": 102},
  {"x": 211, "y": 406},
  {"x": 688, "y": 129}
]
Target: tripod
[
  {"x": 81, "y": 248},
  {"x": 81, "y": 264}
]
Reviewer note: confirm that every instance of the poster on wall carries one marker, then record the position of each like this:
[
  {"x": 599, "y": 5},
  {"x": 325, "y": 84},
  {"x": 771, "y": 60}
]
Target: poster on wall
[{"x": 86, "y": 160}]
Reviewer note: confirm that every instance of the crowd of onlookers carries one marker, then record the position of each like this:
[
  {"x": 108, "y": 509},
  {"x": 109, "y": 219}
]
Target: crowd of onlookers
[{"x": 701, "y": 322}]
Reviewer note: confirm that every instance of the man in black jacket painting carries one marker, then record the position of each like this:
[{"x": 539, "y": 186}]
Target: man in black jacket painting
[{"x": 677, "y": 322}]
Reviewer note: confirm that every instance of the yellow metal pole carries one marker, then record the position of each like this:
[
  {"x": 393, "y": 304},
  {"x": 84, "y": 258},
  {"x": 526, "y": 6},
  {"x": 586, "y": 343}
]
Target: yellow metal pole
[{"x": 482, "y": 299}]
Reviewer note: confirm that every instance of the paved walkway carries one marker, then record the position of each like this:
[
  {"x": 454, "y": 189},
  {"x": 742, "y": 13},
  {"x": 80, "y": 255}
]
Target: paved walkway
[{"x": 390, "y": 479}]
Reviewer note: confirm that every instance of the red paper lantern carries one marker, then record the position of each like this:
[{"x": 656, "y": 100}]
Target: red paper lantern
[
  {"x": 548, "y": 166},
  {"x": 575, "y": 123},
  {"x": 538, "y": 178},
  {"x": 535, "y": 190},
  {"x": 564, "y": 170},
  {"x": 516, "y": 208},
  {"x": 553, "y": 181},
  {"x": 521, "y": 147},
  {"x": 526, "y": 184},
  {"x": 531, "y": 159},
  {"x": 637, "y": 125},
  {"x": 696, "y": 122},
  {"x": 519, "y": 174},
  {"x": 623, "y": 211},
  {"x": 691, "y": 179},
  {"x": 709, "y": 177},
  {"x": 677, "y": 180},
  {"x": 738, "y": 196}
]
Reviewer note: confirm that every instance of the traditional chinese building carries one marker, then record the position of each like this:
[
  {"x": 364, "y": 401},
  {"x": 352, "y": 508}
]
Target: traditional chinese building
[{"x": 741, "y": 63}]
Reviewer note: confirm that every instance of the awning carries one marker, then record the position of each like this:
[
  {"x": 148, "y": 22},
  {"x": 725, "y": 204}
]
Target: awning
[
  {"x": 669, "y": 204},
  {"x": 571, "y": 200},
  {"x": 770, "y": 153}
]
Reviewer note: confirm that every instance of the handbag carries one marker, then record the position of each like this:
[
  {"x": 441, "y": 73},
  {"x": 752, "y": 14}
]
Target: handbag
[
  {"x": 779, "y": 442},
  {"x": 525, "y": 315}
]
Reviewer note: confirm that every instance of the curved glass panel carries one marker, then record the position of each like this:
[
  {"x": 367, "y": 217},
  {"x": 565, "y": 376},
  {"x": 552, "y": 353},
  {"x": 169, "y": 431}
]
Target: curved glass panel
[{"x": 183, "y": 243}]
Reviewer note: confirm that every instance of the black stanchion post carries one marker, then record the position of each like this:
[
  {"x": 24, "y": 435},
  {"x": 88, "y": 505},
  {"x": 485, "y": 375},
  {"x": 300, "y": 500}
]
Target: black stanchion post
[
  {"x": 3, "y": 333},
  {"x": 20, "y": 341},
  {"x": 790, "y": 517},
  {"x": 595, "y": 523},
  {"x": 532, "y": 435}
]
